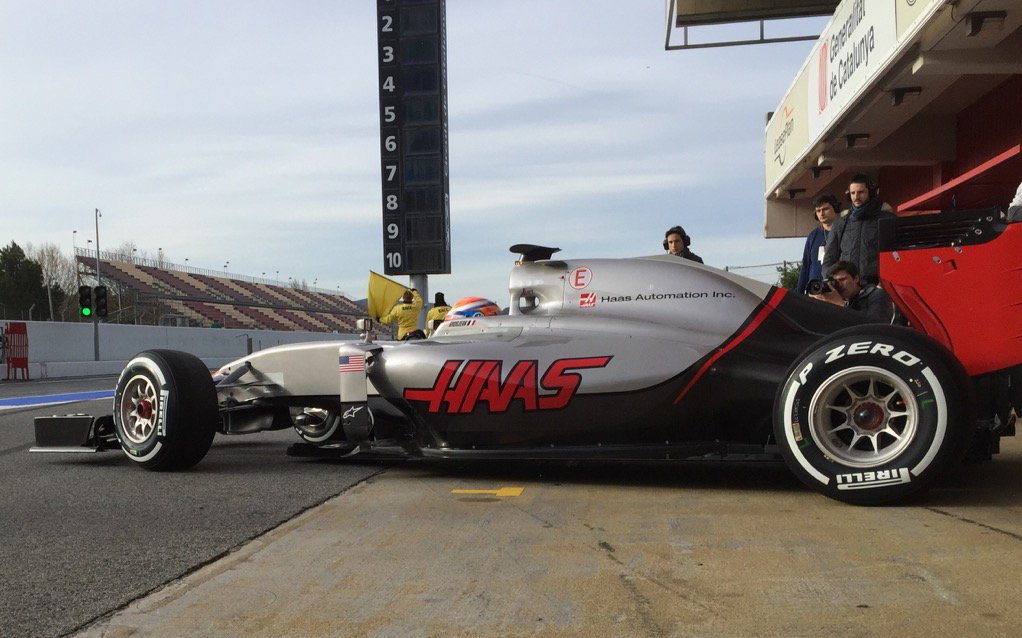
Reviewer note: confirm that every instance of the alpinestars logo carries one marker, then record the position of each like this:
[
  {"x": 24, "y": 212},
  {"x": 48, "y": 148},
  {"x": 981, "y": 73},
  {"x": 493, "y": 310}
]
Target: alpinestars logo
[{"x": 461, "y": 389}]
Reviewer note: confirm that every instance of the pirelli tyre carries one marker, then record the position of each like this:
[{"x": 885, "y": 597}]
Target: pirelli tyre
[
  {"x": 873, "y": 414},
  {"x": 165, "y": 410}
]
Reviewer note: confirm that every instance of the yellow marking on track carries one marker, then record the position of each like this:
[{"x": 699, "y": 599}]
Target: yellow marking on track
[{"x": 504, "y": 491}]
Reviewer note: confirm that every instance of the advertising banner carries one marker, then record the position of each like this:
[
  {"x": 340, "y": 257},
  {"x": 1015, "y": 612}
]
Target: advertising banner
[
  {"x": 787, "y": 133},
  {"x": 854, "y": 47},
  {"x": 911, "y": 10}
]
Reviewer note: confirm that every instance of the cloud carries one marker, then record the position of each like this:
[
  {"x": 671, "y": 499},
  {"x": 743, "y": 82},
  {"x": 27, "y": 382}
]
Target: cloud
[{"x": 248, "y": 132}]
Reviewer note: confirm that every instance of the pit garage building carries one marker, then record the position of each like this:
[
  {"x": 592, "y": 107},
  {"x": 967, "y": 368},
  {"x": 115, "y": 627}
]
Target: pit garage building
[{"x": 923, "y": 95}]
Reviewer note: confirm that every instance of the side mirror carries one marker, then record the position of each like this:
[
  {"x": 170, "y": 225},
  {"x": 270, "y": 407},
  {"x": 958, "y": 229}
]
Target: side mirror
[{"x": 365, "y": 326}]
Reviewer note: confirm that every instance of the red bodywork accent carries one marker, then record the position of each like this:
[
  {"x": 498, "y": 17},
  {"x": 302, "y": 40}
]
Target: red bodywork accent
[
  {"x": 992, "y": 181},
  {"x": 481, "y": 382},
  {"x": 969, "y": 298},
  {"x": 769, "y": 306}
]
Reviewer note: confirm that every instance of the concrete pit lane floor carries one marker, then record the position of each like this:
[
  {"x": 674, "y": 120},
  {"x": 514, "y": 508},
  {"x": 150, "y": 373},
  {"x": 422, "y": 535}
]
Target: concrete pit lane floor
[{"x": 612, "y": 550}]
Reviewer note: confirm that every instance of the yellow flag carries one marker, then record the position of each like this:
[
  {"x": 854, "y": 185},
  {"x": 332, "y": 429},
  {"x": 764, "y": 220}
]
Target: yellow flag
[{"x": 383, "y": 294}]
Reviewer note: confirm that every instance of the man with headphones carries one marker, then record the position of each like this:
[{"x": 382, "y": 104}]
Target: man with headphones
[
  {"x": 677, "y": 242},
  {"x": 827, "y": 211},
  {"x": 855, "y": 237}
]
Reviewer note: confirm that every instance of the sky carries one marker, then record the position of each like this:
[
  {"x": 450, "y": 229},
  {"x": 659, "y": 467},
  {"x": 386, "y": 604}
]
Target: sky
[{"x": 247, "y": 134}]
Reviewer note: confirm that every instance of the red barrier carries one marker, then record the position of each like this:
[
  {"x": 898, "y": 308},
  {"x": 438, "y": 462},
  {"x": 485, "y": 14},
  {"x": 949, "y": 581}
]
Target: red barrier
[{"x": 16, "y": 347}]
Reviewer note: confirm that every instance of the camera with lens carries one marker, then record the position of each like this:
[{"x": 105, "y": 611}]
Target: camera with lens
[{"x": 818, "y": 286}]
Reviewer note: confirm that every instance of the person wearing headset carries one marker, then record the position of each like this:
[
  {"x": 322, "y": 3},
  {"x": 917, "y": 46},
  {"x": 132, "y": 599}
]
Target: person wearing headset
[
  {"x": 855, "y": 237},
  {"x": 677, "y": 242},
  {"x": 826, "y": 209}
]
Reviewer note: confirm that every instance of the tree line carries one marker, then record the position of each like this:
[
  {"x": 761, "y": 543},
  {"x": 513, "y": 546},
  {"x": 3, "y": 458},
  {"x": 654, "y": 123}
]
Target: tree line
[
  {"x": 40, "y": 283},
  {"x": 37, "y": 283}
]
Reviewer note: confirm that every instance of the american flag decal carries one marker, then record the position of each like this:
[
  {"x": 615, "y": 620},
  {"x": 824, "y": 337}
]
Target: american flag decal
[{"x": 352, "y": 363}]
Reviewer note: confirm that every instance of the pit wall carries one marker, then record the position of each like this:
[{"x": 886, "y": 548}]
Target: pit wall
[{"x": 57, "y": 349}]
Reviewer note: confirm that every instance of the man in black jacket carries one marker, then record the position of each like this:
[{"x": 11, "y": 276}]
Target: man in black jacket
[{"x": 854, "y": 237}]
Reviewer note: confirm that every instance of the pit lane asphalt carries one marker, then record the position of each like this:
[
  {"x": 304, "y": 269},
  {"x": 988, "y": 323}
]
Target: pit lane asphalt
[
  {"x": 626, "y": 551},
  {"x": 584, "y": 550},
  {"x": 81, "y": 535}
]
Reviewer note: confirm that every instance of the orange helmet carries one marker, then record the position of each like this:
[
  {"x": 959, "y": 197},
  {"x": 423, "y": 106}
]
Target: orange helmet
[{"x": 472, "y": 307}]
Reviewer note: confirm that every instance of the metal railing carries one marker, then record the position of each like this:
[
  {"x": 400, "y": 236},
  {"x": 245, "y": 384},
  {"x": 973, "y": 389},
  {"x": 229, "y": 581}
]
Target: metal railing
[{"x": 767, "y": 273}]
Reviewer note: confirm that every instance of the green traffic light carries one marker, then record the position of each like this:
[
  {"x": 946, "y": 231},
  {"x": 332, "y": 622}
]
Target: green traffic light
[{"x": 86, "y": 312}]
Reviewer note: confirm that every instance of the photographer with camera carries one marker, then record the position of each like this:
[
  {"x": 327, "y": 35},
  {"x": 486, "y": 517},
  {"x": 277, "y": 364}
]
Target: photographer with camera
[{"x": 843, "y": 288}]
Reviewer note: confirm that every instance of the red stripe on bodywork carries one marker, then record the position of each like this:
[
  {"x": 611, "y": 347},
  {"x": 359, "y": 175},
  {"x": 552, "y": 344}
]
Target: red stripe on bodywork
[{"x": 771, "y": 304}]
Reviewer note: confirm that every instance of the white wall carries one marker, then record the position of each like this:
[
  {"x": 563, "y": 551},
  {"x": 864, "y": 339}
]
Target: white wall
[{"x": 57, "y": 349}]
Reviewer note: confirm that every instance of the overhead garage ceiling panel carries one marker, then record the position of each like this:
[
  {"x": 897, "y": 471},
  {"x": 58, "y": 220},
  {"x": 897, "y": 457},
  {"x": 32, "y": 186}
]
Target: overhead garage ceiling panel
[{"x": 706, "y": 12}]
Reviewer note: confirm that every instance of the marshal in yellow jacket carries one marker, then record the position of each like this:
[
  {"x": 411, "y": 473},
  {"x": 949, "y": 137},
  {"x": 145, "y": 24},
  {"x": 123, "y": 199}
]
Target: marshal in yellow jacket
[
  {"x": 406, "y": 313},
  {"x": 436, "y": 313}
]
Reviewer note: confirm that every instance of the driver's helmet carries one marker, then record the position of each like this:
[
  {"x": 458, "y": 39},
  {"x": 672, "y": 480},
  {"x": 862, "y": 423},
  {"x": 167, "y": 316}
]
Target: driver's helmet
[{"x": 472, "y": 307}]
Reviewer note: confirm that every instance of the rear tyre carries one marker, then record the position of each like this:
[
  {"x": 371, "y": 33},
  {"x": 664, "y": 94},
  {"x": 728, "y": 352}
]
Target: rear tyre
[
  {"x": 165, "y": 410},
  {"x": 873, "y": 414}
]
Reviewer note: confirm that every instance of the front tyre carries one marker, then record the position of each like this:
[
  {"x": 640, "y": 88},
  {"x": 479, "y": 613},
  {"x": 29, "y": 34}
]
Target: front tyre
[
  {"x": 165, "y": 410},
  {"x": 873, "y": 414}
]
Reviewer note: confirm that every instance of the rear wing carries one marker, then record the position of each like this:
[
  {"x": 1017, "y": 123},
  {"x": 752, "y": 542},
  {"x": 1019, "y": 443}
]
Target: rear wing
[{"x": 947, "y": 229}]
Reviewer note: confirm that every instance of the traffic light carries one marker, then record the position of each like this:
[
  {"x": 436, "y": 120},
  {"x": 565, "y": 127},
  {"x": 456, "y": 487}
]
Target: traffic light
[
  {"x": 85, "y": 301},
  {"x": 100, "y": 298}
]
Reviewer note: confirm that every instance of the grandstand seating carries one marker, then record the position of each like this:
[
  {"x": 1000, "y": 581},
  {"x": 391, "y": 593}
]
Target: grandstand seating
[
  {"x": 212, "y": 314},
  {"x": 307, "y": 321},
  {"x": 262, "y": 318},
  {"x": 338, "y": 323},
  {"x": 259, "y": 292},
  {"x": 174, "y": 282},
  {"x": 226, "y": 291},
  {"x": 123, "y": 274},
  {"x": 292, "y": 296},
  {"x": 204, "y": 300}
]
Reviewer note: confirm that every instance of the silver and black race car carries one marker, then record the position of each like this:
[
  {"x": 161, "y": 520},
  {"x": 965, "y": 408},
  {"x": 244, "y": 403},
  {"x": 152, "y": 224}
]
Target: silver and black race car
[{"x": 649, "y": 358}]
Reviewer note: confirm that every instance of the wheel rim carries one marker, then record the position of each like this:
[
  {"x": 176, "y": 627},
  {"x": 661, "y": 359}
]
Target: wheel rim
[
  {"x": 140, "y": 407},
  {"x": 319, "y": 424},
  {"x": 863, "y": 416}
]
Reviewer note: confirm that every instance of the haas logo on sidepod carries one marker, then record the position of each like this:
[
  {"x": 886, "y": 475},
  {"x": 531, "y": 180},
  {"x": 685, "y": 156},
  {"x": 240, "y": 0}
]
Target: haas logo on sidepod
[{"x": 465, "y": 388}]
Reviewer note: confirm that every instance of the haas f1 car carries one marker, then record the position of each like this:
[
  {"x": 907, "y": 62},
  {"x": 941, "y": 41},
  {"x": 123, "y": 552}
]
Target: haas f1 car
[{"x": 650, "y": 358}]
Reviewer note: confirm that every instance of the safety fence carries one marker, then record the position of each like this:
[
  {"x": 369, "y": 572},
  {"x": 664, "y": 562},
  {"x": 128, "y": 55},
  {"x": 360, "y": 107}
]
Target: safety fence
[{"x": 767, "y": 273}]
